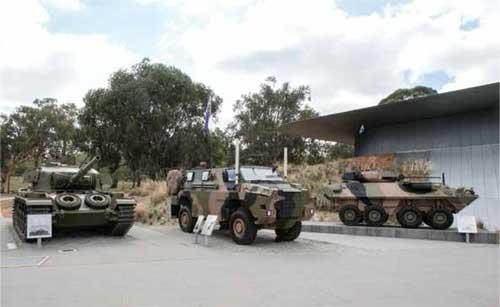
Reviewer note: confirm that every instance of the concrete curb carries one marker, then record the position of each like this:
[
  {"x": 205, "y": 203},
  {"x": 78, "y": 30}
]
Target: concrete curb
[{"x": 452, "y": 235}]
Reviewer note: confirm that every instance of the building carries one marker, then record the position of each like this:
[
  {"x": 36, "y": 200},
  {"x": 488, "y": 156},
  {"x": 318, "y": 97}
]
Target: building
[{"x": 458, "y": 132}]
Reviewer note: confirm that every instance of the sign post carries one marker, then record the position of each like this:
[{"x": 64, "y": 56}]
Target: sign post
[
  {"x": 197, "y": 228},
  {"x": 467, "y": 224}
]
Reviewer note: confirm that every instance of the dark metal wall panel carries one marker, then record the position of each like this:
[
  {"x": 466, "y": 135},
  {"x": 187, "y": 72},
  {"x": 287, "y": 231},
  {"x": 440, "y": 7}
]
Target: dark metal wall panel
[
  {"x": 474, "y": 128},
  {"x": 463, "y": 146}
]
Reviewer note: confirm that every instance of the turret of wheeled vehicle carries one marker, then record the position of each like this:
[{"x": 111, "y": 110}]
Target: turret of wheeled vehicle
[
  {"x": 75, "y": 199},
  {"x": 374, "y": 196}
]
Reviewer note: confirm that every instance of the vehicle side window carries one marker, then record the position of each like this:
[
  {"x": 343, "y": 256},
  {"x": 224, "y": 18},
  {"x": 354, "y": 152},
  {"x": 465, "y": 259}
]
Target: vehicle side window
[
  {"x": 231, "y": 175},
  {"x": 205, "y": 176},
  {"x": 189, "y": 176}
]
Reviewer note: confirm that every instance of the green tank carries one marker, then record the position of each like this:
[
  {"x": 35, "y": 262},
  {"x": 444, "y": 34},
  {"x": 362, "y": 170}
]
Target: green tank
[{"x": 73, "y": 196}]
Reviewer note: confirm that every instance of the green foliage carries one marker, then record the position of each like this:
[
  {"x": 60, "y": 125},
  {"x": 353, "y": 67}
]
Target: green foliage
[
  {"x": 340, "y": 151},
  {"x": 150, "y": 117},
  {"x": 260, "y": 117},
  {"x": 45, "y": 130},
  {"x": 408, "y": 93}
]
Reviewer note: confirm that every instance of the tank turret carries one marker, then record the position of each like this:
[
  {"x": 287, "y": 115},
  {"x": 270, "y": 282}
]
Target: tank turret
[{"x": 84, "y": 169}]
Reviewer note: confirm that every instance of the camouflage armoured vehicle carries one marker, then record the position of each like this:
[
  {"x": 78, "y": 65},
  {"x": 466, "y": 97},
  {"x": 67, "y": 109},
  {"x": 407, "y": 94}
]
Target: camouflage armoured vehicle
[
  {"x": 373, "y": 196},
  {"x": 70, "y": 195},
  {"x": 257, "y": 198}
]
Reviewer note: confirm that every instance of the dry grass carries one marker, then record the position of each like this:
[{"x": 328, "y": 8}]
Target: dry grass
[
  {"x": 417, "y": 168},
  {"x": 151, "y": 199}
]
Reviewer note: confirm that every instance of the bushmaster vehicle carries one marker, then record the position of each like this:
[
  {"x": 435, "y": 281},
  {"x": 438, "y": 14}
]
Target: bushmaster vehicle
[
  {"x": 70, "y": 195},
  {"x": 373, "y": 196},
  {"x": 255, "y": 197}
]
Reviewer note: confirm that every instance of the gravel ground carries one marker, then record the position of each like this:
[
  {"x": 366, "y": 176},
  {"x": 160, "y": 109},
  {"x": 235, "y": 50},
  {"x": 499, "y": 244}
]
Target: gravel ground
[{"x": 159, "y": 266}]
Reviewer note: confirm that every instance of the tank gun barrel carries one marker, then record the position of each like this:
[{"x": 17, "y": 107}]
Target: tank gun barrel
[{"x": 84, "y": 169}]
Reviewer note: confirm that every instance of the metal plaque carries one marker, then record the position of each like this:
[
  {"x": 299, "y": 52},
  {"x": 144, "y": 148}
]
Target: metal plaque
[
  {"x": 467, "y": 224},
  {"x": 199, "y": 224},
  {"x": 209, "y": 225},
  {"x": 39, "y": 226}
]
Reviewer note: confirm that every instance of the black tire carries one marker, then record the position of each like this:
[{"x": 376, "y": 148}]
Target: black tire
[
  {"x": 425, "y": 218},
  {"x": 289, "y": 234},
  {"x": 68, "y": 201},
  {"x": 242, "y": 227},
  {"x": 186, "y": 220},
  {"x": 375, "y": 215},
  {"x": 440, "y": 218},
  {"x": 97, "y": 201},
  {"x": 350, "y": 215},
  {"x": 409, "y": 217}
]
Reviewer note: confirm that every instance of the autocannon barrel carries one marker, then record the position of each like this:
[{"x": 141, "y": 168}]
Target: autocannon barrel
[{"x": 84, "y": 169}]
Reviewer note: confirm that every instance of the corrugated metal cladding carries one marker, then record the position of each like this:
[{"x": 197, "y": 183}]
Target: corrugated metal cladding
[{"x": 464, "y": 146}]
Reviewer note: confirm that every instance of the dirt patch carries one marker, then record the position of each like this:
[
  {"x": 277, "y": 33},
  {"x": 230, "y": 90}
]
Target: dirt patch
[{"x": 6, "y": 207}]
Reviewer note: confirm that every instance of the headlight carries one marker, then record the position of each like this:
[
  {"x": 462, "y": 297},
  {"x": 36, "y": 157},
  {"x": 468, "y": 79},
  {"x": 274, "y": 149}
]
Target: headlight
[
  {"x": 269, "y": 212},
  {"x": 311, "y": 211}
]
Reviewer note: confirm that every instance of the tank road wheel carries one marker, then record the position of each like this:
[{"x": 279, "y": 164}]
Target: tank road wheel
[
  {"x": 243, "y": 229},
  {"x": 67, "y": 201},
  {"x": 440, "y": 218},
  {"x": 409, "y": 217},
  {"x": 289, "y": 234},
  {"x": 375, "y": 216},
  {"x": 97, "y": 201},
  {"x": 350, "y": 215},
  {"x": 186, "y": 220}
]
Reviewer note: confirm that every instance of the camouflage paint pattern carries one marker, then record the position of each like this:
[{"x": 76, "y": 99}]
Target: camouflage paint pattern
[
  {"x": 394, "y": 193},
  {"x": 273, "y": 205}
]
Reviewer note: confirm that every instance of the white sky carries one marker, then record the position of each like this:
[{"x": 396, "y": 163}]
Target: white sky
[{"x": 349, "y": 60}]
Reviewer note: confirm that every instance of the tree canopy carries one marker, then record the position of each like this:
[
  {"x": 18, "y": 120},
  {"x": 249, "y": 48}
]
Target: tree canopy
[
  {"x": 260, "y": 117},
  {"x": 150, "y": 116},
  {"x": 35, "y": 133},
  {"x": 408, "y": 93}
]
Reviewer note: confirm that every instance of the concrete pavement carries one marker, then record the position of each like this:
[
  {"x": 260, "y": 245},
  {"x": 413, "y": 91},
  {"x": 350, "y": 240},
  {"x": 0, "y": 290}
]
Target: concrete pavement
[{"x": 159, "y": 266}]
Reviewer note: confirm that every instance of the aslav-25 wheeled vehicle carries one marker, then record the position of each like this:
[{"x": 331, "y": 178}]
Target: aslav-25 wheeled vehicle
[
  {"x": 256, "y": 198},
  {"x": 70, "y": 195},
  {"x": 374, "y": 196}
]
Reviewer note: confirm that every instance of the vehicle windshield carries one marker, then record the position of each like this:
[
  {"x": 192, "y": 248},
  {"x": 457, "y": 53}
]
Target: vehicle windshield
[{"x": 259, "y": 174}]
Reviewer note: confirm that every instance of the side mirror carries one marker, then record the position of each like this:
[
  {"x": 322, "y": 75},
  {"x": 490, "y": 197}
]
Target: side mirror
[
  {"x": 225, "y": 176},
  {"x": 106, "y": 179}
]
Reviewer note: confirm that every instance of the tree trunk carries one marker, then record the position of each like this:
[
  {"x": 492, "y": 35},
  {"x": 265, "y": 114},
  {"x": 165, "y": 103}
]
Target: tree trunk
[
  {"x": 7, "y": 175},
  {"x": 114, "y": 183}
]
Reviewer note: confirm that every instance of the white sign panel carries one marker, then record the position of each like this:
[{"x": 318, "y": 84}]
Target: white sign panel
[
  {"x": 467, "y": 224},
  {"x": 199, "y": 224},
  {"x": 209, "y": 225},
  {"x": 39, "y": 226}
]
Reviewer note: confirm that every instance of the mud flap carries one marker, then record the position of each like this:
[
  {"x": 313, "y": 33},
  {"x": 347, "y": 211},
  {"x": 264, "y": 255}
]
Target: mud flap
[{"x": 174, "y": 207}]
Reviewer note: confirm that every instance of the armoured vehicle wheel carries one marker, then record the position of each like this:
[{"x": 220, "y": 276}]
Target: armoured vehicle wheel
[
  {"x": 350, "y": 215},
  {"x": 186, "y": 220},
  {"x": 409, "y": 217},
  {"x": 97, "y": 201},
  {"x": 243, "y": 229},
  {"x": 289, "y": 234},
  {"x": 375, "y": 216},
  {"x": 67, "y": 201},
  {"x": 440, "y": 218}
]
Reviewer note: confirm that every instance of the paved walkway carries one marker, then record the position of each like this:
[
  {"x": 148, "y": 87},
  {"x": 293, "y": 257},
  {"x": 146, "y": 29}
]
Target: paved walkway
[{"x": 159, "y": 266}]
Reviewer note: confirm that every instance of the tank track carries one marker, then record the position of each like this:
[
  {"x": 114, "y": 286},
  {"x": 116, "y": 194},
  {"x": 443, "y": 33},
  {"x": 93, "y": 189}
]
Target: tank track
[
  {"x": 20, "y": 213},
  {"x": 125, "y": 220}
]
